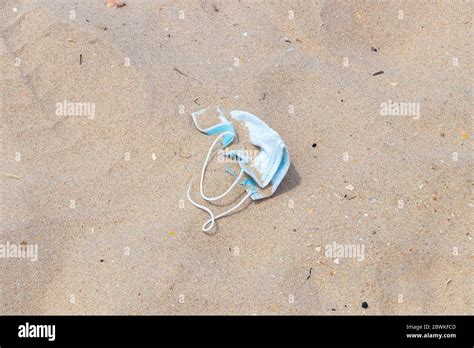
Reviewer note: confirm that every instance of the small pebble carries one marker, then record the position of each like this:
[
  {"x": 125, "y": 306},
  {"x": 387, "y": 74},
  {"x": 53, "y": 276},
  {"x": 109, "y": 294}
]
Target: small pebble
[{"x": 365, "y": 305}]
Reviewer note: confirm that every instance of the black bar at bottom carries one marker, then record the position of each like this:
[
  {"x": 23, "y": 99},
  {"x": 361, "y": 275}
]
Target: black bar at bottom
[{"x": 291, "y": 330}]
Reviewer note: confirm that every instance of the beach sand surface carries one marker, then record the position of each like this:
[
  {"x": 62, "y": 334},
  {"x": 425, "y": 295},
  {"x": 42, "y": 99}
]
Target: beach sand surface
[{"x": 103, "y": 195}]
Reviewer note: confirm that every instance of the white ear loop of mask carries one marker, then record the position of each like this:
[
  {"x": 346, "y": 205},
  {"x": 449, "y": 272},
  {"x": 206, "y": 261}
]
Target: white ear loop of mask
[
  {"x": 210, "y": 223},
  {"x": 206, "y": 162}
]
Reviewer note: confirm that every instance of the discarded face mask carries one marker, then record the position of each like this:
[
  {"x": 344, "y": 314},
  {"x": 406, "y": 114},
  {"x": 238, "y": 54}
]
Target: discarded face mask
[{"x": 261, "y": 174}]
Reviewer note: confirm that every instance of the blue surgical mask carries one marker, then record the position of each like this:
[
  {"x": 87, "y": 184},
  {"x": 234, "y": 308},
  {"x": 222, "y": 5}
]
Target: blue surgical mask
[{"x": 261, "y": 174}]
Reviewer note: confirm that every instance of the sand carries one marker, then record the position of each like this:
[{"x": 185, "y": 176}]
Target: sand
[{"x": 103, "y": 194}]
